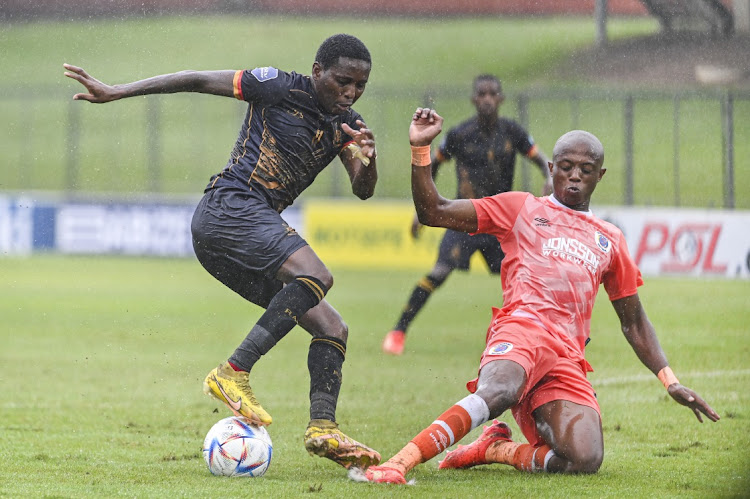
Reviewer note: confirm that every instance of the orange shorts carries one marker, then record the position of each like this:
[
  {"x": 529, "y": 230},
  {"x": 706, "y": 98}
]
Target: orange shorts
[{"x": 553, "y": 372}]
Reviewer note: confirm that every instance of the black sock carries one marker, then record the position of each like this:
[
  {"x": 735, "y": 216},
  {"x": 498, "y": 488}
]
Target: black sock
[
  {"x": 282, "y": 314},
  {"x": 324, "y": 361},
  {"x": 418, "y": 298}
]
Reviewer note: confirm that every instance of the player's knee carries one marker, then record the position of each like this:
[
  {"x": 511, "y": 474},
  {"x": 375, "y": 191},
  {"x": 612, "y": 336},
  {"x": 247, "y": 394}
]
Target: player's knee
[
  {"x": 316, "y": 287},
  {"x": 587, "y": 460},
  {"x": 437, "y": 279},
  {"x": 499, "y": 398},
  {"x": 325, "y": 278},
  {"x": 338, "y": 329}
]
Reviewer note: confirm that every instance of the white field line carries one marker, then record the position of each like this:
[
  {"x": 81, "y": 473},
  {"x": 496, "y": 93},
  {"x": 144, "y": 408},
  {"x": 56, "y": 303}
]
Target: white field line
[{"x": 650, "y": 377}]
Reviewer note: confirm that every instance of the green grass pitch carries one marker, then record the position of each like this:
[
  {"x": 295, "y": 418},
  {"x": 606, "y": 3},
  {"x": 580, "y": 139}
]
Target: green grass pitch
[{"x": 102, "y": 361}]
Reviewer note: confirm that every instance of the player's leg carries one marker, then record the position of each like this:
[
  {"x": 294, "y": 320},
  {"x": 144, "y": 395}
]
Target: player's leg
[
  {"x": 570, "y": 441},
  {"x": 559, "y": 417},
  {"x": 455, "y": 252},
  {"x": 307, "y": 282},
  {"x": 549, "y": 373},
  {"x": 501, "y": 383},
  {"x": 256, "y": 247},
  {"x": 393, "y": 343},
  {"x": 325, "y": 361},
  {"x": 574, "y": 433}
]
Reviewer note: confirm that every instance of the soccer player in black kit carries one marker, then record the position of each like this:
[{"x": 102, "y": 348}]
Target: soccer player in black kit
[
  {"x": 294, "y": 127},
  {"x": 484, "y": 148}
]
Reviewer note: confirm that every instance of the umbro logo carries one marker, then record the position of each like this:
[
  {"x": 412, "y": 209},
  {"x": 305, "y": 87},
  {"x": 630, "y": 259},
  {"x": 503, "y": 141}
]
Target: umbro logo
[{"x": 542, "y": 222}]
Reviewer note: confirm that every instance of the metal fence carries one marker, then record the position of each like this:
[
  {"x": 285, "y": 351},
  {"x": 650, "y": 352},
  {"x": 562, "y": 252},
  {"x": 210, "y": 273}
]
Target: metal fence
[
  {"x": 725, "y": 101},
  {"x": 54, "y": 143}
]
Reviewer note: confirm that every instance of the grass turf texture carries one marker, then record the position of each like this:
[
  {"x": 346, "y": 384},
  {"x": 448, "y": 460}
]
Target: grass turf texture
[
  {"x": 411, "y": 58},
  {"x": 103, "y": 358}
]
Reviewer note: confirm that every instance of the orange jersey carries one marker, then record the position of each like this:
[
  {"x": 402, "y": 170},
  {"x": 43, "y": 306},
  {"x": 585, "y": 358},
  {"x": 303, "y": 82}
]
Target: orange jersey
[{"x": 555, "y": 259}]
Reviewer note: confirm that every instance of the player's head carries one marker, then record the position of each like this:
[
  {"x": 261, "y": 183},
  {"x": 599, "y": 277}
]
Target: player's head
[
  {"x": 487, "y": 95},
  {"x": 341, "y": 45},
  {"x": 340, "y": 72},
  {"x": 576, "y": 168}
]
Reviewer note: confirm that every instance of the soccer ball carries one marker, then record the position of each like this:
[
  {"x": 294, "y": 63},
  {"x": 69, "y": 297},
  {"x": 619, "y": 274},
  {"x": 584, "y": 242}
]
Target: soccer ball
[{"x": 234, "y": 447}]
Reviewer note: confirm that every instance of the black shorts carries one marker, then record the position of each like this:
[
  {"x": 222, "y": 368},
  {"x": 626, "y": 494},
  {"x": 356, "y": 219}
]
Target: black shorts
[
  {"x": 240, "y": 240},
  {"x": 456, "y": 249}
]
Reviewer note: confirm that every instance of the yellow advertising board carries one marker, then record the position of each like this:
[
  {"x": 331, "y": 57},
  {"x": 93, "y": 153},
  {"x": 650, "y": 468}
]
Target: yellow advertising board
[{"x": 370, "y": 234}]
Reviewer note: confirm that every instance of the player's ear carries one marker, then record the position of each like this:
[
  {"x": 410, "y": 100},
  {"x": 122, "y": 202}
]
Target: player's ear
[
  {"x": 317, "y": 69},
  {"x": 601, "y": 173}
]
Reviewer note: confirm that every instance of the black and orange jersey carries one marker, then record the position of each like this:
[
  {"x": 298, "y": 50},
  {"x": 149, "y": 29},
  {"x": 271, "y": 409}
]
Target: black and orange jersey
[
  {"x": 485, "y": 162},
  {"x": 285, "y": 140}
]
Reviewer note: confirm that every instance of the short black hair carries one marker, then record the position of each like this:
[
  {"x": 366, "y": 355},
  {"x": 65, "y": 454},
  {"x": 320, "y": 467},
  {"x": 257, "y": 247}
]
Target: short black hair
[
  {"x": 488, "y": 77},
  {"x": 341, "y": 45}
]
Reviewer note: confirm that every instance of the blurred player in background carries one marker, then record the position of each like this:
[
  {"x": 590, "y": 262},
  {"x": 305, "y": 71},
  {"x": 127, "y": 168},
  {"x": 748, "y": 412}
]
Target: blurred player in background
[
  {"x": 294, "y": 127},
  {"x": 484, "y": 148},
  {"x": 557, "y": 255}
]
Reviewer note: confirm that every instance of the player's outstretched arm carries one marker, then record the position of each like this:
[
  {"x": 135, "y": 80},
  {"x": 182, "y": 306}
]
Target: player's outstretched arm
[
  {"x": 416, "y": 227},
  {"x": 641, "y": 335},
  {"x": 433, "y": 209},
  {"x": 360, "y": 160},
  {"x": 207, "y": 82}
]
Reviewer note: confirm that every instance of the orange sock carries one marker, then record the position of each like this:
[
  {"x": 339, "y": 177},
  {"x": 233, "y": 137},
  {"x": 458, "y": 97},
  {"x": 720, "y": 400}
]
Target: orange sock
[
  {"x": 523, "y": 457},
  {"x": 448, "y": 428}
]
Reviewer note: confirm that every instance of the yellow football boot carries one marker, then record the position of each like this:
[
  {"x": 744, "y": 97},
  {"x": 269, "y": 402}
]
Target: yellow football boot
[
  {"x": 323, "y": 438},
  {"x": 233, "y": 388}
]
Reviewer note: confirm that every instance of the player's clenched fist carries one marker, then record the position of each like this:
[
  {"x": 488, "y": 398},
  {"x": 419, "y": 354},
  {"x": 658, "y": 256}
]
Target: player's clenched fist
[{"x": 426, "y": 124}]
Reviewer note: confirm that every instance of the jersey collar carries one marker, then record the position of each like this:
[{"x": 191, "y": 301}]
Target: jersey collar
[{"x": 554, "y": 201}]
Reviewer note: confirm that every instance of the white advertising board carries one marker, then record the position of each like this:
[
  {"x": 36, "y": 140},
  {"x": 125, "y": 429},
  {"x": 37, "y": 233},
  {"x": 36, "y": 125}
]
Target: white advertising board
[{"x": 688, "y": 242}]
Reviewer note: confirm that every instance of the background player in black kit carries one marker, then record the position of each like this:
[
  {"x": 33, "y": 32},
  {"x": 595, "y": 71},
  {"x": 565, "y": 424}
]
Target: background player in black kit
[
  {"x": 294, "y": 127},
  {"x": 484, "y": 148}
]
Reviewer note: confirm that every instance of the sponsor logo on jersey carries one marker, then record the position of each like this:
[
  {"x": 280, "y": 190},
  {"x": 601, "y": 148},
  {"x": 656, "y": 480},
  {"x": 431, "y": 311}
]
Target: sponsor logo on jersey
[
  {"x": 602, "y": 242},
  {"x": 542, "y": 222},
  {"x": 571, "y": 250},
  {"x": 500, "y": 348},
  {"x": 265, "y": 73}
]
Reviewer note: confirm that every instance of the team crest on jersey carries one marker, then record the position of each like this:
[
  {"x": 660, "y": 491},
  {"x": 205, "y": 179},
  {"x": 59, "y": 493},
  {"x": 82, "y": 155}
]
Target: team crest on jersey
[
  {"x": 500, "y": 348},
  {"x": 265, "y": 73},
  {"x": 602, "y": 242}
]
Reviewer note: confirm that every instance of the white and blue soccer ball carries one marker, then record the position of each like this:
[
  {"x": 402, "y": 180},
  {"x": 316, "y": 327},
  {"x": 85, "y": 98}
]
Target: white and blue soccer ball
[{"x": 234, "y": 447}]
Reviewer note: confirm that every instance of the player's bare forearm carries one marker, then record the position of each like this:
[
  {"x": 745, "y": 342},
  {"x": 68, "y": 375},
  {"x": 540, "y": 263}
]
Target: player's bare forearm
[
  {"x": 208, "y": 82},
  {"x": 436, "y": 211},
  {"x": 365, "y": 179},
  {"x": 433, "y": 209},
  {"x": 360, "y": 160},
  {"x": 640, "y": 333}
]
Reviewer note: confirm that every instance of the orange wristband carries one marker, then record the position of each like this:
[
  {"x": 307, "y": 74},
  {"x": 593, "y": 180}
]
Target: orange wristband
[
  {"x": 420, "y": 156},
  {"x": 667, "y": 377}
]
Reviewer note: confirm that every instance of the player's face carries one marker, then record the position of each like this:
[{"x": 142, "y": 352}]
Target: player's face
[
  {"x": 487, "y": 97},
  {"x": 339, "y": 86},
  {"x": 576, "y": 171}
]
